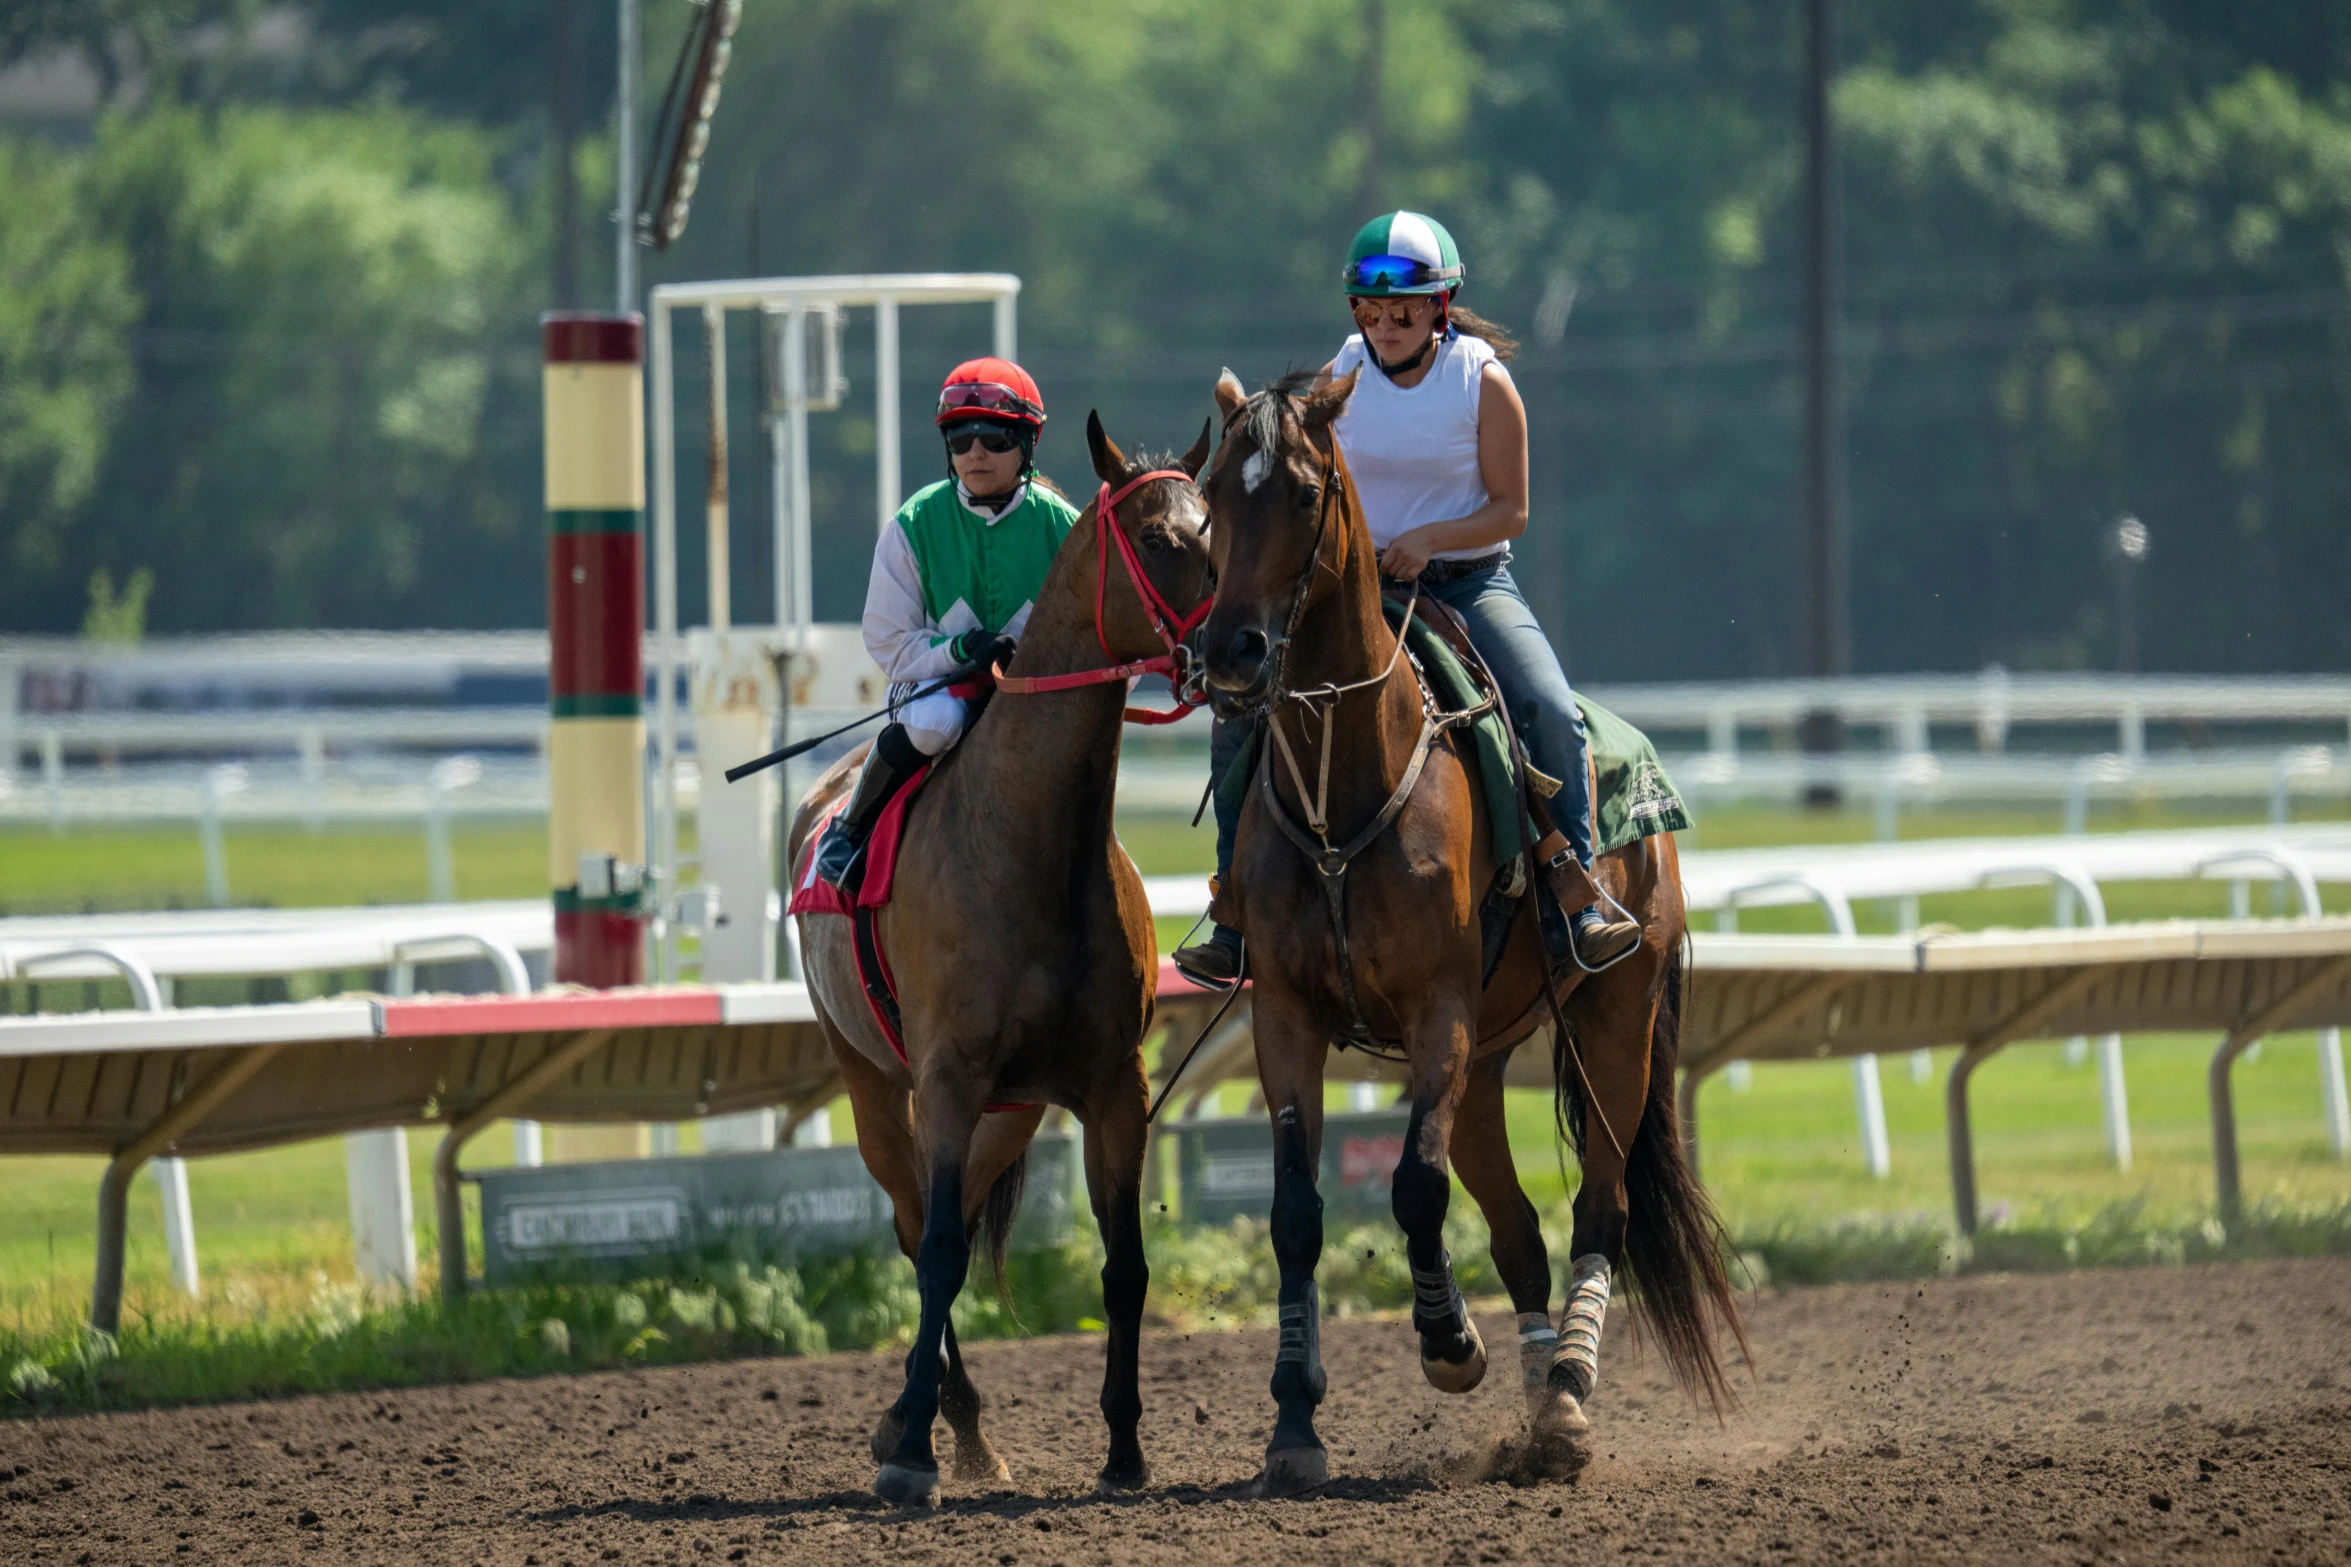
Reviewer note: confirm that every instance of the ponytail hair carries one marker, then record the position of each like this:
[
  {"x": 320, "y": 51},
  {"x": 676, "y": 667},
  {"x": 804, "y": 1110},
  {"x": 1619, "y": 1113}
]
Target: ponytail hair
[{"x": 1469, "y": 321}]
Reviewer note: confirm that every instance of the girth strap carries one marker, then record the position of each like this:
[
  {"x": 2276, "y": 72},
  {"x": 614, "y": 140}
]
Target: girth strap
[{"x": 1334, "y": 863}]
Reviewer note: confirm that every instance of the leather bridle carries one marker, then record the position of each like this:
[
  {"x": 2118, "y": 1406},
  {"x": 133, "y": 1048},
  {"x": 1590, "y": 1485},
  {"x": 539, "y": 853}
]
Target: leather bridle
[{"x": 1175, "y": 664}]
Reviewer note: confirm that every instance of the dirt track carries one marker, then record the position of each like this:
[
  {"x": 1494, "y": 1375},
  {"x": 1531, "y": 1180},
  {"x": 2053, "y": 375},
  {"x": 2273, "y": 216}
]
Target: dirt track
[{"x": 2160, "y": 1413}]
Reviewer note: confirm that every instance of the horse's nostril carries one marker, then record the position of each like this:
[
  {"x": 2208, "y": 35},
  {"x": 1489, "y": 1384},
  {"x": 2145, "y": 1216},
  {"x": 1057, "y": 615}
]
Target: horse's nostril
[{"x": 1249, "y": 646}]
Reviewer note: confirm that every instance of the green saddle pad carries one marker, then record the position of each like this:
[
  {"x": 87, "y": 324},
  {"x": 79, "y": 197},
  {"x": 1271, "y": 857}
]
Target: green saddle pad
[{"x": 1634, "y": 800}]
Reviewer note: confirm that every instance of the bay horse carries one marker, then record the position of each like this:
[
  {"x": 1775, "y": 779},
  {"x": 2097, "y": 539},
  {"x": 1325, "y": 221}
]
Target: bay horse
[
  {"x": 1393, "y": 953},
  {"x": 1025, "y": 960}
]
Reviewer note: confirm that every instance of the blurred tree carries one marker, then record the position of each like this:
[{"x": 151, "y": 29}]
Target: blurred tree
[
  {"x": 2102, "y": 252},
  {"x": 335, "y": 398},
  {"x": 2095, "y": 265},
  {"x": 122, "y": 39},
  {"x": 66, "y": 309}
]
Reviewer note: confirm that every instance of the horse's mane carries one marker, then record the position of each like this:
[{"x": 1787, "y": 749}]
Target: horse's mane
[
  {"x": 1261, "y": 416},
  {"x": 1146, "y": 459}
]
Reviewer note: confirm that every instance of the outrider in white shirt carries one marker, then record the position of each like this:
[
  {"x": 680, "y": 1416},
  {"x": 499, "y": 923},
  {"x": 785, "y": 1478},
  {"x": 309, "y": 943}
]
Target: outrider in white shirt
[{"x": 1414, "y": 450}]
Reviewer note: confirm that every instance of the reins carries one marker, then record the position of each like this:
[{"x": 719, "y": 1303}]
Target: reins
[
  {"x": 1331, "y": 861},
  {"x": 1174, "y": 664}
]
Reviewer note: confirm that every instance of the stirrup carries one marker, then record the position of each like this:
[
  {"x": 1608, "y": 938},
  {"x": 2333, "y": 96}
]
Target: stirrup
[
  {"x": 1595, "y": 944},
  {"x": 1600, "y": 942},
  {"x": 1210, "y": 964}
]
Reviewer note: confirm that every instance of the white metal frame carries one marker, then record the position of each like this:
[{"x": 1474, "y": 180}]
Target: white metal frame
[{"x": 794, "y": 300}]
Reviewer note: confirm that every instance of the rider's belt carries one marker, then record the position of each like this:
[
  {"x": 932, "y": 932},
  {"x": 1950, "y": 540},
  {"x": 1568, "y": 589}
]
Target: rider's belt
[{"x": 1437, "y": 573}]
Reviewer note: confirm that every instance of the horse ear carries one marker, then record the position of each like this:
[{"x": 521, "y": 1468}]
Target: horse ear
[
  {"x": 1197, "y": 458},
  {"x": 1110, "y": 464},
  {"x": 1229, "y": 395},
  {"x": 1326, "y": 401}
]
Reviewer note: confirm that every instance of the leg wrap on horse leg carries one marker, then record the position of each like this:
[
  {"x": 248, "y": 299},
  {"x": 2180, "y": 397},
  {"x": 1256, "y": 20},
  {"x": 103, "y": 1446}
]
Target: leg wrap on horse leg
[
  {"x": 1579, "y": 1325},
  {"x": 1301, "y": 1344},
  {"x": 1538, "y": 1346},
  {"x": 1452, "y": 1355},
  {"x": 1436, "y": 1299}
]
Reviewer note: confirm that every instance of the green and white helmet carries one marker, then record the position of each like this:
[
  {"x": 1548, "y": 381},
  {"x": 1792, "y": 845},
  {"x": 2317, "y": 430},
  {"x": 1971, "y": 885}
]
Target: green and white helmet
[{"x": 1403, "y": 253}]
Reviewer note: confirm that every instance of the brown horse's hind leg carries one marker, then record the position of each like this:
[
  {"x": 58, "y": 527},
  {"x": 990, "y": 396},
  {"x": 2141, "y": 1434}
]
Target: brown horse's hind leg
[
  {"x": 885, "y": 1139},
  {"x": 1481, "y": 1155},
  {"x": 1452, "y": 1356},
  {"x": 1116, "y": 1133},
  {"x": 1609, "y": 1017},
  {"x": 976, "y": 1461}
]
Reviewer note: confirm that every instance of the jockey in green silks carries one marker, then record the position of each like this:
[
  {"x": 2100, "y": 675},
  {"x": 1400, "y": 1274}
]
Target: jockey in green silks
[{"x": 955, "y": 575}]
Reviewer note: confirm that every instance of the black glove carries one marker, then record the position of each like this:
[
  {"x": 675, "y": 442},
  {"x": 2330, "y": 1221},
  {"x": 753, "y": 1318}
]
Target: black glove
[{"x": 980, "y": 645}]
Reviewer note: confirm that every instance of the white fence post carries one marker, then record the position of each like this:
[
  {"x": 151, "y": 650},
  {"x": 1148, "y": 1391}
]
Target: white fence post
[
  {"x": 1869, "y": 1101},
  {"x": 752, "y": 1131},
  {"x": 2114, "y": 1099},
  {"x": 53, "y": 778},
  {"x": 219, "y": 784},
  {"x": 179, "y": 1221},
  {"x": 2331, "y": 1092},
  {"x": 383, "y": 1206},
  {"x": 448, "y": 775}
]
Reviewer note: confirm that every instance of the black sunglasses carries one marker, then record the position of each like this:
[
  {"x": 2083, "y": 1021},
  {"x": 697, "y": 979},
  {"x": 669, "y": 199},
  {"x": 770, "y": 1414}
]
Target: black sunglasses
[{"x": 991, "y": 437}]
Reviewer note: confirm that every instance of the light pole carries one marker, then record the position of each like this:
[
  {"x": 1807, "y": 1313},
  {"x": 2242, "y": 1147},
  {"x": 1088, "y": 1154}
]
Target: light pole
[
  {"x": 1824, "y": 631},
  {"x": 2126, "y": 552}
]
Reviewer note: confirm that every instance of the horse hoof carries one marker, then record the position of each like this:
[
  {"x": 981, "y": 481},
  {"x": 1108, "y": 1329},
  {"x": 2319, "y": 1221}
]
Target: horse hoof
[
  {"x": 1559, "y": 1418},
  {"x": 1119, "y": 1481},
  {"x": 1448, "y": 1376},
  {"x": 977, "y": 1463},
  {"x": 1293, "y": 1471},
  {"x": 887, "y": 1434},
  {"x": 903, "y": 1485}
]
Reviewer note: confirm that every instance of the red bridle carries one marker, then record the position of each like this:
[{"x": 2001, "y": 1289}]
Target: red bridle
[{"x": 1171, "y": 626}]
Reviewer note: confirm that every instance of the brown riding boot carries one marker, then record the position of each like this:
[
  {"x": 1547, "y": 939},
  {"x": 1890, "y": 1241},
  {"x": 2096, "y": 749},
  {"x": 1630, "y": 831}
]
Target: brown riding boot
[{"x": 1598, "y": 939}]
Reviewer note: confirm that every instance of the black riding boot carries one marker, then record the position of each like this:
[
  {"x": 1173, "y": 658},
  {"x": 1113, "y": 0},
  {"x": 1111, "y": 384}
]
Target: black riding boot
[
  {"x": 1214, "y": 963},
  {"x": 892, "y": 761}
]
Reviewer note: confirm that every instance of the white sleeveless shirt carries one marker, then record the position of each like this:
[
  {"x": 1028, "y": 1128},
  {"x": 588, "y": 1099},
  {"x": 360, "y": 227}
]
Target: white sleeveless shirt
[{"x": 1414, "y": 450}]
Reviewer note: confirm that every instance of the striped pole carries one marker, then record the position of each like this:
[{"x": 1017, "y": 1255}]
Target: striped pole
[{"x": 594, "y": 381}]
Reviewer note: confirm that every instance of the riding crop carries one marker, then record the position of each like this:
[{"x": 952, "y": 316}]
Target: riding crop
[{"x": 758, "y": 764}]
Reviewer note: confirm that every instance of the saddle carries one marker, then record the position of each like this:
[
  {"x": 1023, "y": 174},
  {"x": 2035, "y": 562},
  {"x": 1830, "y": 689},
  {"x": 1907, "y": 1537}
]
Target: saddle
[
  {"x": 868, "y": 884},
  {"x": 871, "y": 877}
]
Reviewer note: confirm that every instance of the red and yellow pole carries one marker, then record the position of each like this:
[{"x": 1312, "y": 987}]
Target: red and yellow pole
[{"x": 594, "y": 381}]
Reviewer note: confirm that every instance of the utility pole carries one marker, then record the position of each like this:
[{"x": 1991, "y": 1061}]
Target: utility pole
[
  {"x": 563, "y": 114},
  {"x": 1824, "y": 631},
  {"x": 1371, "y": 111},
  {"x": 624, "y": 165}
]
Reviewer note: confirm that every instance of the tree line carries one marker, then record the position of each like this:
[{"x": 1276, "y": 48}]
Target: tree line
[{"x": 266, "y": 318}]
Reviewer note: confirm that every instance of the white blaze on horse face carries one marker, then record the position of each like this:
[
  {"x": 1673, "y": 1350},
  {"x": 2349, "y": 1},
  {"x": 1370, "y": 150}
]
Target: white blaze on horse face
[{"x": 1253, "y": 471}]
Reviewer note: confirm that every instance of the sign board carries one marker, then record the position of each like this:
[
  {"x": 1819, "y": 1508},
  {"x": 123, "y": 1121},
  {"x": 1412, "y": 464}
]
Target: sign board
[
  {"x": 1226, "y": 1166},
  {"x": 636, "y": 1217}
]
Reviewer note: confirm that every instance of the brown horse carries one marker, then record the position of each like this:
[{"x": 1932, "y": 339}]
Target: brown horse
[
  {"x": 1026, "y": 967},
  {"x": 1395, "y": 952}
]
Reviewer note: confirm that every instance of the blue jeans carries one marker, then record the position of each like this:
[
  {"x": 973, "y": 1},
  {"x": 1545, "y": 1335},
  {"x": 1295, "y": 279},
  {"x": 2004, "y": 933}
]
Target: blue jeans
[{"x": 1534, "y": 686}]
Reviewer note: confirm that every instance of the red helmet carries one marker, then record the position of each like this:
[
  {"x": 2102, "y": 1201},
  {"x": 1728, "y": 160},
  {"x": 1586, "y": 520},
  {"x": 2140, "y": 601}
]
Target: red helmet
[{"x": 995, "y": 389}]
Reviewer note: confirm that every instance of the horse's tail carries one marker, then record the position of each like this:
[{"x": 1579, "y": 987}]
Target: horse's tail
[
  {"x": 997, "y": 1214},
  {"x": 1674, "y": 1245}
]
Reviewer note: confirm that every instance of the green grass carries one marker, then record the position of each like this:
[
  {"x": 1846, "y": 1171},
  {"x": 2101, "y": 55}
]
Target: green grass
[{"x": 103, "y": 870}]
